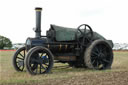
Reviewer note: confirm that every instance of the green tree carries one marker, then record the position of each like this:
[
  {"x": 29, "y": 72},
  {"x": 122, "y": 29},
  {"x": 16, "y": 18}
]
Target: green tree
[{"x": 5, "y": 42}]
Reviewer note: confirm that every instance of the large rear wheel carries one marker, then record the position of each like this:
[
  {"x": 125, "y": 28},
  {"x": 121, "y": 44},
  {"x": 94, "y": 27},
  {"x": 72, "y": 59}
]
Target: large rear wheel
[{"x": 99, "y": 55}]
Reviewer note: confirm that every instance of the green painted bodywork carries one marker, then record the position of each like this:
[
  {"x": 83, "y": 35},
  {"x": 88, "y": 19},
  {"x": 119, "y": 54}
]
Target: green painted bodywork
[
  {"x": 69, "y": 34},
  {"x": 64, "y": 33}
]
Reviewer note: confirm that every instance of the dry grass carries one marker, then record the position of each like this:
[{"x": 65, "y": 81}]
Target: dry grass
[{"x": 65, "y": 75}]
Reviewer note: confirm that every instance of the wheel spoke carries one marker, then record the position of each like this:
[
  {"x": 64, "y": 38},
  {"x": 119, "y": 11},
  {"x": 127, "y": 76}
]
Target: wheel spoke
[
  {"x": 106, "y": 61},
  {"x": 94, "y": 53},
  {"x": 41, "y": 55},
  {"x": 93, "y": 58},
  {"x": 24, "y": 53},
  {"x": 20, "y": 58},
  {"x": 100, "y": 48},
  {"x": 21, "y": 55},
  {"x": 81, "y": 31},
  {"x": 45, "y": 64},
  {"x": 19, "y": 65},
  {"x": 93, "y": 62},
  {"x": 40, "y": 68},
  {"x": 36, "y": 70},
  {"x": 43, "y": 67},
  {"x": 97, "y": 64},
  {"x": 96, "y": 49},
  {"x": 22, "y": 68},
  {"x": 34, "y": 67},
  {"x": 103, "y": 49},
  {"x": 35, "y": 60}
]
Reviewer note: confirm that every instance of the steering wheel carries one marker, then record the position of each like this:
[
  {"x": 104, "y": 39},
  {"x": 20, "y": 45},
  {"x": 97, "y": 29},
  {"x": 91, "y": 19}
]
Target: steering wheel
[{"x": 84, "y": 36}]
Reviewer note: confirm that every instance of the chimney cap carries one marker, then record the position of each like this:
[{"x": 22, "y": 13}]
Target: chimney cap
[{"x": 38, "y": 8}]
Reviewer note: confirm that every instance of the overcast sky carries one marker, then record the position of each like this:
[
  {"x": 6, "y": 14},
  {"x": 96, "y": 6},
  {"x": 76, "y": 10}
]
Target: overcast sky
[{"x": 107, "y": 17}]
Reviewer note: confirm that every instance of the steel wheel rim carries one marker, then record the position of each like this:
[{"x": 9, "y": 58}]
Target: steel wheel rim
[
  {"x": 101, "y": 56},
  {"x": 20, "y": 59},
  {"x": 37, "y": 64}
]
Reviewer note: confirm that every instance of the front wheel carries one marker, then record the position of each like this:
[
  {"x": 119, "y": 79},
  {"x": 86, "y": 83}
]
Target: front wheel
[
  {"x": 18, "y": 59},
  {"x": 99, "y": 55},
  {"x": 39, "y": 60}
]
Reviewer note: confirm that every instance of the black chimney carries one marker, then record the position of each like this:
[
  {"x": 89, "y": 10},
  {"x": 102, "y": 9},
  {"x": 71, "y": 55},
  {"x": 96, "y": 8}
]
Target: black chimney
[{"x": 38, "y": 22}]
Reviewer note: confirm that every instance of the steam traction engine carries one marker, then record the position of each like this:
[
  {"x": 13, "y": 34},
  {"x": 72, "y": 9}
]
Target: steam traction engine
[{"x": 79, "y": 47}]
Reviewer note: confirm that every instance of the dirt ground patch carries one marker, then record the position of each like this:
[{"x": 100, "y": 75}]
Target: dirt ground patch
[
  {"x": 107, "y": 78},
  {"x": 62, "y": 74},
  {"x": 112, "y": 78}
]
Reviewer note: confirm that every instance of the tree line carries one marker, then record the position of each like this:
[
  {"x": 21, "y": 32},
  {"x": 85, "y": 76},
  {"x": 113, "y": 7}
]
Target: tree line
[{"x": 5, "y": 43}]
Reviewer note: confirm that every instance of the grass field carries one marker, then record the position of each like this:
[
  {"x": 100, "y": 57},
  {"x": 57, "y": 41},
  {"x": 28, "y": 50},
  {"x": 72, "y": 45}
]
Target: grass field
[{"x": 62, "y": 74}]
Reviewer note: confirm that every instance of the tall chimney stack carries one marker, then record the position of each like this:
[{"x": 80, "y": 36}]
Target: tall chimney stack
[{"x": 38, "y": 22}]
